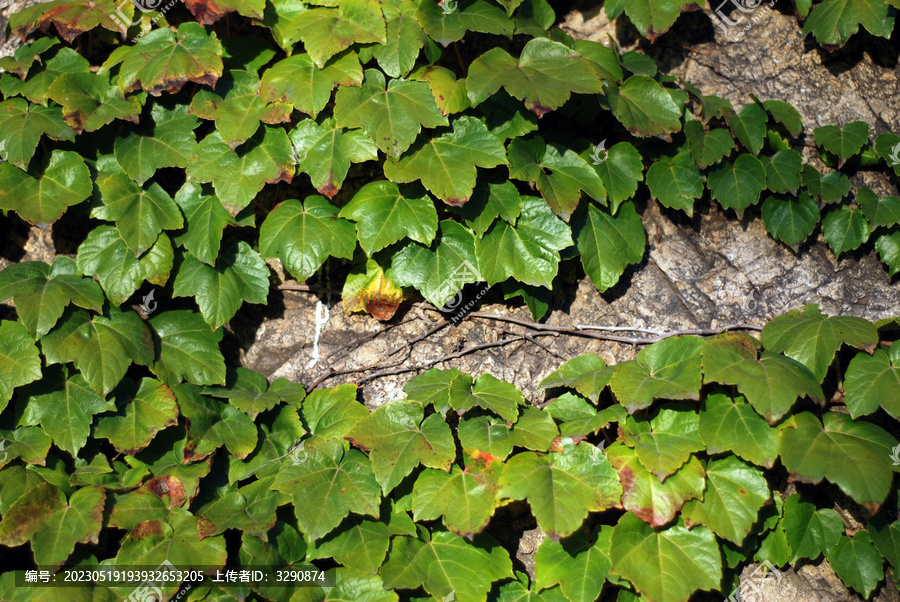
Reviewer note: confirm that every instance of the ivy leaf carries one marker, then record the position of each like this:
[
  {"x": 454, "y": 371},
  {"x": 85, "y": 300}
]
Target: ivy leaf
[
  {"x": 830, "y": 188},
  {"x": 447, "y": 164},
  {"x": 189, "y": 350},
  {"x": 304, "y": 236},
  {"x": 41, "y": 292},
  {"x": 140, "y": 214},
  {"x": 492, "y": 394},
  {"x": 870, "y": 382},
  {"x": 529, "y": 251},
  {"x": 333, "y": 412},
  {"x": 240, "y": 275},
  {"x": 25, "y": 56},
  {"x": 29, "y": 443},
  {"x": 845, "y": 229},
  {"x": 732, "y": 425},
  {"x": 341, "y": 482},
  {"x": 785, "y": 114},
  {"x": 676, "y": 182},
  {"x": 237, "y": 107},
  {"x": 888, "y": 247},
  {"x": 250, "y": 509},
  {"x": 544, "y": 76},
  {"x": 102, "y": 348},
  {"x": 749, "y": 126},
  {"x": 238, "y": 177},
  {"x": 587, "y": 373},
  {"x": 507, "y": 117},
  {"x": 398, "y": 440},
  {"x": 350, "y": 584},
  {"x": 325, "y": 152},
  {"x": 441, "y": 270},
  {"x": 645, "y": 496},
  {"x": 391, "y": 115},
  {"x": 790, "y": 220},
  {"x": 251, "y": 393},
  {"x": 435, "y": 387},
  {"x": 644, "y": 107},
  {"x": 608, "y": 244},
  {"x": 668, "y": 369},
  {"x": 212, "y": 424},
  {"x": 25, "y": 123},
  {"x": 168, "y": 143},
  {"x": 52, "y": 524},
  {"x": 842, "y": 141},
  {"x": 857, "y": 563},
  {"x": 621, "y": 173},
  {"x": 20, "y": 363},
  {"x": 449, "y": 93},
  {"x": 707, "y": 148},
  {"x": 884, "y": 212},
  {"x": 738, "y": 185},
  {"x": 577, "y": 565},
  {"x": 885, "y": 146},
  {"x": 533, "y": 430},
  {"x": 151, "y": 409},
  {"x": 165, "y": 60},
  {"x": 811, "y": 452},
  {"x": 372, "y": 291},
  {"x": 327, "y": 31},
  {"x": 771, "y": 383},
  {"x": 812, "y": 338},
  {"x": 466, "y": 499},
  {"x": 206, "y": 220},
  {"x": 65, "y": 407},
  {"x": 89, "y": 101},
  {"x": 652, "y": 18},
  {"x": 560, "y": 174},
  {"x": 810, "y": 532},
  {"x": 297, "y": 80},
  {"x": 668, "y": 564},
  {"x": 664, "y": 443},
  {"x": 562, "y": 487},
  {"x": 734, "y": 494},
  {"x": 384, "y": 215},
  {"x": 887, "y": 541},
  {"x": 404, "y": 39},
  {"x": 36, "y": 87},
  {"x": 208, "y": 13},
  {"x": 70, "y": 18},
  {"x": 43, "y": 198},
  {"x": 834, "y": 21},
  {"x": 783, "y": 171}
]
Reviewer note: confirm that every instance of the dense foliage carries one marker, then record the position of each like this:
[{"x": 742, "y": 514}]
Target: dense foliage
[{"x": 345, "y": 134}]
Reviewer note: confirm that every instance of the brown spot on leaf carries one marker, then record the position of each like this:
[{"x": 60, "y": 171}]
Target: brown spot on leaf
[
  {"x": 382, "y": 308},
  {"x": 170, "y": 486},
  {"x": 206, "y": 527},
  {"x": 457, "y": 202},
  {"x": 147, "y": 529},
  {"x": 208, "y": 12},
  {"x": 539, "y": 109}
]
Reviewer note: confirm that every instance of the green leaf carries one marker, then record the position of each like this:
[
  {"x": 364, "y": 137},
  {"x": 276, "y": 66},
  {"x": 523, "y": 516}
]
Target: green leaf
[
  {"x": 446, "y": 563},
  {"x": 250, "y": 509},
  {"x": 445, "y": 27},
  {"x": 327, "y": 31},
  {"x": 560, "y": 174},
  {"x": 398, "y": 440},
  {"x": 888, "y": 247},
  {"x": 212, "y": 424},
  {"x": 168, "y": 143},
  {"x": 373, "y": 291},
  {"x": 340, "y": 482},
  {"x": 24, "y": 124},
  {"x": 830, "y": 188},
  {"x": 870, "y": 382},
  {"x": 810, "y": 532},
  {"x": 562, "y": 487},
  {"x": 664, "y": 443},
  {"x": 304, "y": 236},
  {"x": 887, "y": 541},
  {"x": 151, "y": 409},
  {"x": 449, "y": 92},
  {"x": 237, "y": 107},
  {"x": 845, "y": 229},
  {"x": 586, "y": 373},
  {"x": 30, "y": 443},
  {"x": 738, "y": 185},
  {"x": 667, "y": 565},
  {"x": 655, "y": 502},
  {"x": 20, "y": 363},
  {"x": 887, "y": 147},
  {"x": 447, "y": 164},
  {"x": 577, "y": 565},
  {"x": 608, "y": 244},
  {"x": 533, "y": 430},
  {"x": 749, "y": 126},
  {"x": 676, "y": 182},
  {"x": 734, "y": 494},
  {"x": 668, "y": 369},
  {"x": 644, "y": 107},
  {"x": 26, "y": 55},
  {"x": 811, "y": 453},
  {"x": 240, "y": 275},
  {"x": 772, "y": 383},
  {"x": 528, "y": 252},
  {"x": 489, "y": 201},
  {"x": 857, "y": 563},
  {"x": 140, "y": 214},
  {"x": 507, "y": 117},
  {"x": 297, "y": 80},
  {"x": 652, "y": 18},
  {"x": 325, "y": 152},
  {"x": 333, "y": 412},
  {"x": 251, "y": 393},
  {"x": 189, "y": 350},
  {"x": 42, "y": 292},
  {"x": 785, "y": 114},
  {"x": 206, "y": 220},
  {"x": 435, "y": 387},
  {"x": 732, "y": 425},
  {"x": 707, "y": 148},
  {"x": 44, "y": 197},
  {"x": 783, "y": 171},
  {"x": 834, "y": 21},
  {"x": 621, "y": 173},
  {"x": 350, "y": 584},
  {"x": 885, "y": 212},
  {"x": 391, "y": 115},
  {"x": 466, "y": 499},
  {"x": 165, "y": 60},
  {"x": 267, "y": 158},
  {"x": 36, "y": 87},
  {"x": 89, "y": 101},
  {"x": 492, "y": 394},
  {"x": 52, "y": 524},
  {"x": 102, "y": 348},
  {"x": 790, "y": 220},
  {"x": 544, "y": 76},
  {"x": 65, "y": 406},
  {"x": 843, "y": 142},
  {"x": 812, "y": 338}
]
